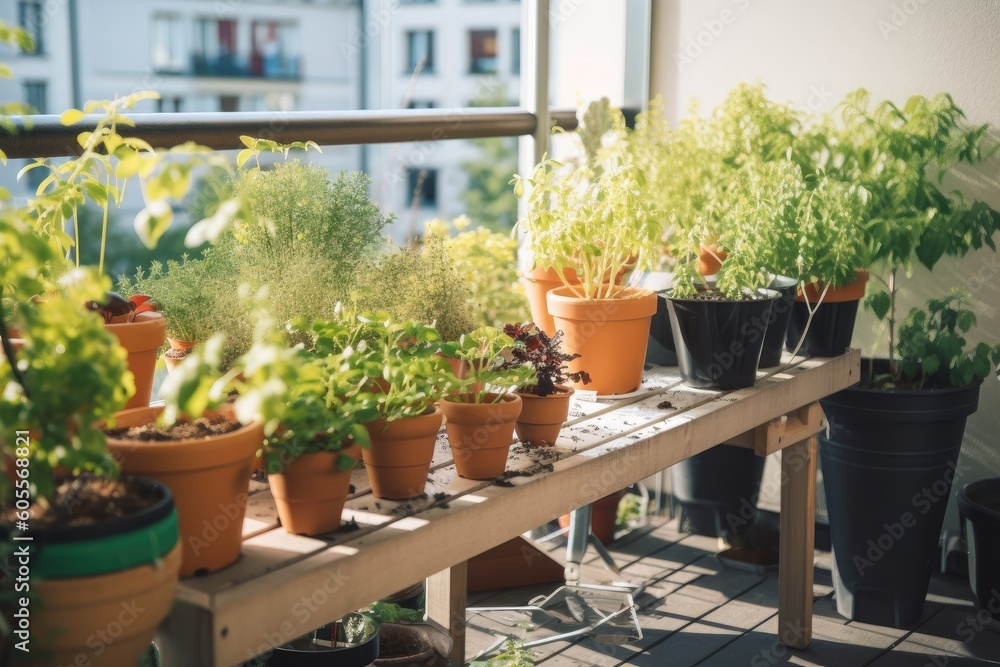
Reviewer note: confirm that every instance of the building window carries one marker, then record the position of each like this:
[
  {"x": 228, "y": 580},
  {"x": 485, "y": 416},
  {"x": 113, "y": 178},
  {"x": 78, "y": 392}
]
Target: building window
[
  {"x": 420, "y": 50},
  {"x": 275, "y": 50},
  {"x": 420, "y": 104},
  {"x": 168, "y": 44},
  {"x": 229, "y": 103},
  {"x": 483, "y": 51},
  {"x": 215, "y": 48},
  {"x": 30, "y": 17},
  {"x": 422, "y": 185},
  {"x": 169, "y": 103},
  {"x": 36, "y": 96},
  {"x": 515, "y": 41}
]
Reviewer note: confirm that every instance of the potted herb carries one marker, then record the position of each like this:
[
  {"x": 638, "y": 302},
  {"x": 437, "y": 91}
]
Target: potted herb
[
  {"x": 408, "y": 377},
  {"x": 594, "y": 221},
  {"x": 480, "y": 419},
  {"x": 92, "y": 541},
  {"x": 544, "y": 404},
  {"x": 183, "y": 292},
  {"x": 900, "y": 431}
]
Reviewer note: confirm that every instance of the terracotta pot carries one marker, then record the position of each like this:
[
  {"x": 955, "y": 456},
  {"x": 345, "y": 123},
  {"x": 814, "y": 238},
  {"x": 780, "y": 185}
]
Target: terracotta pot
[
  {"x": 853, "y": 291},
  {"x": 181, "y": 345},
  {"x": 536, "y": 285},
  {"x": 400, "y": 454},
  {"x": 142, "y": 337},
  {"x": 610, "y": 335},
  {"x": 480, "y": 434},
  {"x": 542, "y": 417},
  {"x": 710, "y": 259},
  {"x": 127, "y": 606},
  {"x": 311, "y": 491},
  {"x": 603, "y": 514},
  {"x": 209, "y": 478}
]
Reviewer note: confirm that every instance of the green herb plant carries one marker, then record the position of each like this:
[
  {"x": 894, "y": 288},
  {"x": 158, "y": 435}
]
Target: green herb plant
[
  {"x": 183, "y": 293},
  {"x": 931, "y": 348},
  {"x": 513, "y": 655},
  {"x": 487, "y": 352},
  {"x": 902, "y": 156},
  {"x": 487, "y": 261}
]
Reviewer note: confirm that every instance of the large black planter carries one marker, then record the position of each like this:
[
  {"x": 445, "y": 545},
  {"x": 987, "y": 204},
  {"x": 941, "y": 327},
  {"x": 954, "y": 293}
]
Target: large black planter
[
  {"x": 831, "y": 330},
  {"x": 777, "y": 322},
  {"x": 888, "y": 465},
  {"x": 718, "y": 342},
  {"x": 718, "y": 489},
  {"x": 979, "y": 506},
  {"x": 315, "y": 650}
]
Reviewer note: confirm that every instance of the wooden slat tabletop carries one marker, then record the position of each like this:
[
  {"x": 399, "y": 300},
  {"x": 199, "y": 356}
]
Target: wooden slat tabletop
[{"x": 285, "y": 585}]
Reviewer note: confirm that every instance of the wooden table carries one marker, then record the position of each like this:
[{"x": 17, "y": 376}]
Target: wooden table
[{"x": 284, "y": 586}]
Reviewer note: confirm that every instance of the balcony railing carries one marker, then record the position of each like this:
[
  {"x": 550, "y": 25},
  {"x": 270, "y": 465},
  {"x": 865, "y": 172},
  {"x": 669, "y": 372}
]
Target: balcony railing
[{"x": 45, "y": 136}]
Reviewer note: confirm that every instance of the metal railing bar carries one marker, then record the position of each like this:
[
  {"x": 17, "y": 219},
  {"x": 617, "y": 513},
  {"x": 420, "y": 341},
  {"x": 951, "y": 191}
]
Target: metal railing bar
[{"x": 45, "y": 136}]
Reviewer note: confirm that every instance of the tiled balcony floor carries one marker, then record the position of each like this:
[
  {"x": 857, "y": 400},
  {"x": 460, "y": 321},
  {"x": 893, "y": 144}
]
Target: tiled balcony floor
[{"x": 697, "y": 612}]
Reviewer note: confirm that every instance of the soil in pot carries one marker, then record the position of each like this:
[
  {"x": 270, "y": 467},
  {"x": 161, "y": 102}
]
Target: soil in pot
[
  {"x": 480, "y": 434},
  {"x": 400, "y": 454},
  {"x": 311, "y": 490},
  {"x": 719, "y": 341},
  {"x": 542, "y": 417},
  {"x": 209, "y": 477},
  {"x": 905, "y": 444},
  {"x": 610, "y": 335}
]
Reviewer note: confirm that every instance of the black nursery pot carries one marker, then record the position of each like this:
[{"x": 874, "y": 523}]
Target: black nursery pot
[
  {"x": 661, "y": 349},
  {"x": 888, "y": 465},
  {"x": 315, "y": 650},
  {"x": 718, "y": 489},
  {"x": 979, "y": 507},
  {"x": 719, "y": 342},
  {"x": 777, "y": 324},
  {"x": 831, "y": 330}
]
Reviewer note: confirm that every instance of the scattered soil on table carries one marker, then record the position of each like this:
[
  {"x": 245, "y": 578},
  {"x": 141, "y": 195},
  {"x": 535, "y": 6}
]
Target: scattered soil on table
[
  {"x": 350, "y": 489},
  {"x": 665, "y": 405},
  {"x": 85, "y": 501},
  {"x": 197, "y": 429},
  {"x": 403, "y": 509}
]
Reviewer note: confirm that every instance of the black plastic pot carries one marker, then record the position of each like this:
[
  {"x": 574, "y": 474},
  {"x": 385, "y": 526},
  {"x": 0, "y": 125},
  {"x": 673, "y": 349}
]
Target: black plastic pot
[
  {"x": 313, "y": 649},
  {"x": 660, "y": 349},
  {"x": 777, "y": 323},
  {"x": 719, "y": 342},
  {"x": 888, "y": 465},
  {"x": 979, "y": 507},
  {"x": 718, "y": 490},
  {"x": 831, "y": 330}
]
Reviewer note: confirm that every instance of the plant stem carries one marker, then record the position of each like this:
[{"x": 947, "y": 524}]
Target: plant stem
[
  {"x": 892, "y": 322},
  {"x": 8, "y": 351},
  {"x": 812, "y": 311}
]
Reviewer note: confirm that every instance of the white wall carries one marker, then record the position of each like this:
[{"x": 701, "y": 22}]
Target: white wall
[{"x": 812, "y": 53}]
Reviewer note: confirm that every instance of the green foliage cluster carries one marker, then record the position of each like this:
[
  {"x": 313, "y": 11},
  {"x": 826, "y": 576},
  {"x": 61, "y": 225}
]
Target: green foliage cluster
[
  {"x": 593, "y": 218},
  {"x": 513, "y": 655},
  {"x": 488, "y": 262},
  {"x": 185, "y": 293},
  {"x": 932, "y": 346},
  {"x": 421, "y": 283},
  {"x": 487, "y": 352}
]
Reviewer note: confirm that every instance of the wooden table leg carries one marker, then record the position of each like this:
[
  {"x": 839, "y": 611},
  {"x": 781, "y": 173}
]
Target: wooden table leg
[
  {"x": 798, "y": 517},
  {"x": 446, "y": 597}
]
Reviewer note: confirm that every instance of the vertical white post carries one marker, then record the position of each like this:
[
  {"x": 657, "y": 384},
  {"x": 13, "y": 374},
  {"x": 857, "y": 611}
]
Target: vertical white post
[{"x": 534, "y": 94}]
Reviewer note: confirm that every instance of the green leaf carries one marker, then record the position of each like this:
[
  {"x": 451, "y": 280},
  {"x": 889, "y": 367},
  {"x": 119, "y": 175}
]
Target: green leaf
[
  {"x": 930, "y": 365},
  {"x": 878, "y": 303},
  {"x": 153, "y": 221},
  {"x": 345, "y": 463},
  {"x": 248, "y": 141},
  {"x": 71, "y": 116},
  {"x": 96, "y": 192},
  {"x": 243, "y": 156}
]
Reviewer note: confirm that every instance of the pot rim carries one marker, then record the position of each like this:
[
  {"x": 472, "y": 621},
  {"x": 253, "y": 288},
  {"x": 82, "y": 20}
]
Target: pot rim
[{"x": 768, "y": 295}]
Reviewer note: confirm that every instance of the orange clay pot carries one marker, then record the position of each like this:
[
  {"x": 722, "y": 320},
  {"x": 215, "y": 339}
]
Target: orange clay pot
[
  {"x": 536, "y": 285},
  {"x": 603, "y": 514},
  {"x": 480, "y": 434},
  {"x": 107, "y": 619},
  {"x": 610, "y": 335},
  {"x": 142, "y": 337},
  {"x": 853, "y": 291},
  {"x": 542, "y": 417},
  {"x": 710, "y": 259},
  {"x": 400, "y": 454},
  {"x": 210, "y": 480},
  {"x": 311, "y": 491}
]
